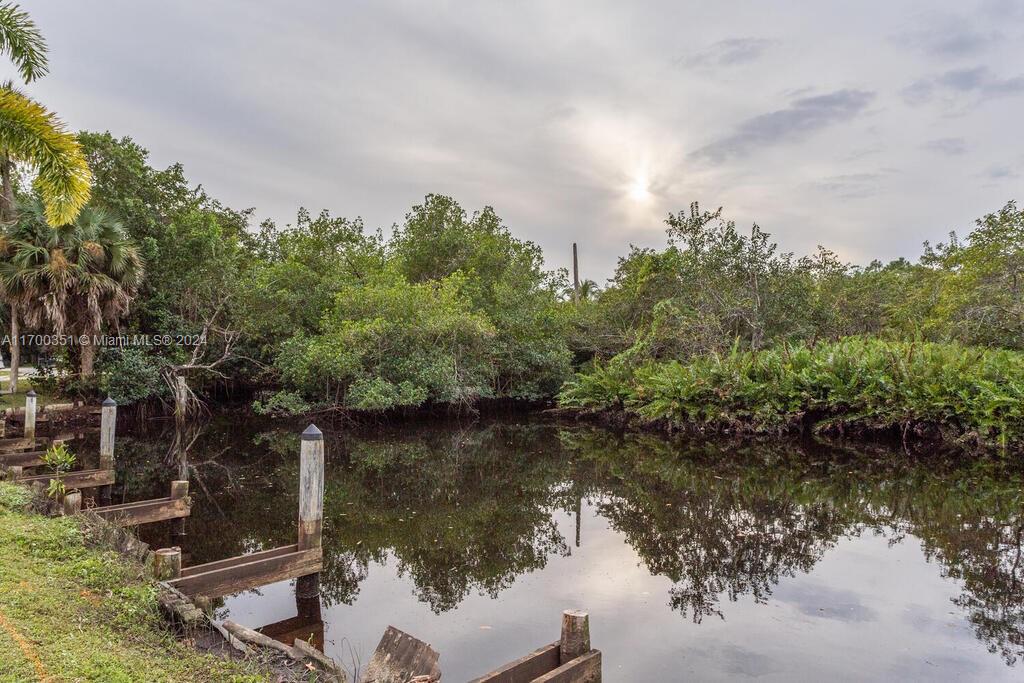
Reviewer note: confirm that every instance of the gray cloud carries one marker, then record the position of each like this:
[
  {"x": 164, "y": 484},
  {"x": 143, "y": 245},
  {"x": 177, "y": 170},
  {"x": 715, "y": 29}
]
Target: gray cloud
[
  {"x": 852, "y": 185},
  {"x": 1001, "y": 172},
  {"x": 729, "y": 52},
  {"x": 948, "y": 146},
  {"x": 796, "y": 122},
  {"x": 552, "y": 112},
  {"x": 946, "y": 36},
  {"x": 978, "y": 80}
]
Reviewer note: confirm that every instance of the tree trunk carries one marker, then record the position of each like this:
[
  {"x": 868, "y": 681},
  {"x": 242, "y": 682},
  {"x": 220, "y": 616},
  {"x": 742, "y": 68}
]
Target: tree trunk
[
  {"x": 15, "y": 351},
  {"x": 8, "y": 210},
  {"x": 7, "y": 215},
  {"x": 87, "y": 359}
]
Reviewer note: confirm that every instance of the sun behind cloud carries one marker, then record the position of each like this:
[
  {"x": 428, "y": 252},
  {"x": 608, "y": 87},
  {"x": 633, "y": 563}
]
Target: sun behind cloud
[{"x": 640, "y": 188}]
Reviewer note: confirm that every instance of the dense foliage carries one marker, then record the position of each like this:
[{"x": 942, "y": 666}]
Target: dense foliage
[
  {"x": 449, "y": 308},
  {"x": 714, "y": 285},
  {"x": 722, "y": 330},
  {"x": 966, "y": 394}
]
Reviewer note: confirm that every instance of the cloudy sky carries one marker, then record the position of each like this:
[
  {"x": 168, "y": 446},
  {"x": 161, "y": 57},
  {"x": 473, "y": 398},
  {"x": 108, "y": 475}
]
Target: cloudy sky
[{"x": 868, "y": 127}]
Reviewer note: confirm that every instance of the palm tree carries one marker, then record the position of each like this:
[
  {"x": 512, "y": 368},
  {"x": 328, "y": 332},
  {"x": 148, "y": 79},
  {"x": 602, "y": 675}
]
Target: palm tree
[
  {"x": 75, "y": 278},
  {"x": 32, "y": 135}
]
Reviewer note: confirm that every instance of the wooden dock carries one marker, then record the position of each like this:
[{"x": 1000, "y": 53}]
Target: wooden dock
[
  {"x": 79, "y": 479},
  {"x": 303, "y": 560},
  {"x": 175, "y": 506},
  {"x": 568, "y": 660}
]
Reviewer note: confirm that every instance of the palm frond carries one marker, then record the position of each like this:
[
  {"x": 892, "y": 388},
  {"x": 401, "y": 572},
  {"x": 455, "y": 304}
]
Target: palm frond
[
  {"x": 21, "y": 40},
  {"x": 37, "y": 137}
]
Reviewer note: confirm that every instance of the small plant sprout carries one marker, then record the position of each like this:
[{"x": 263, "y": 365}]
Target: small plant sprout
[{"x": 59, "y": 460}]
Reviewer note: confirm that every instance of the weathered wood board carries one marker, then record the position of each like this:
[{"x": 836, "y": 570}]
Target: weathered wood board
[
  {"x": 145, "y": 511},
  {"x": 584, "y": 669},
  {"x": 248, "y": 571},
  {"x": 22, "y": 458},
  {"x": 527, "y": 668},
  {"x": 399, "y": 658},
  {"x": 81, "y": 479}
]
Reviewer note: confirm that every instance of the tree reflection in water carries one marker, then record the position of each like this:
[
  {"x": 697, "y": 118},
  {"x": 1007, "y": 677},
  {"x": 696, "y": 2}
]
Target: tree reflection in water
[{"x": 469, "y": 509}]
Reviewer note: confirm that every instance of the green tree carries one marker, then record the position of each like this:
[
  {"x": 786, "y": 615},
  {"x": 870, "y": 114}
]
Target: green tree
[
  {"x": 34, "y": 136},
  {"x": 77, "y": 278}
]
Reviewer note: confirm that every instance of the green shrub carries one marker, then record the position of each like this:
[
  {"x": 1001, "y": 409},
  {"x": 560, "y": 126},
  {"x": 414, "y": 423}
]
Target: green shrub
[
  {"x": 129, "y": 375},
  {"x": 969, "y": 394}
]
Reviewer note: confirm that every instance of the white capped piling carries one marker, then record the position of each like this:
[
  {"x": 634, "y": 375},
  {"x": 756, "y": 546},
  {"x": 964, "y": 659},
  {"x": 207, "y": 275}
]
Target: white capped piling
[
  {"x": 30, "y": 414},
  {"x": 311, "y": 506},
  {"x": 575, "y": 640},
  {"x": 108, "y": 427},
  {"x": 311, "y": 488}
]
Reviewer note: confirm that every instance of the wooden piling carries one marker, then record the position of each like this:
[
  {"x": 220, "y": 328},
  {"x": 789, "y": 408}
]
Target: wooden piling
[
  {"x": 30, "y": 414},
  {"x": 167, "y": 564},
  {"x": 72, "y": 503},
  {"x": 311, "y": 488},
  {"x": 311, "y": 505},
  {"x": 179, "y": 489},
  {"x": 575, "y": 640},
  {"x": 108, "y": 427}
]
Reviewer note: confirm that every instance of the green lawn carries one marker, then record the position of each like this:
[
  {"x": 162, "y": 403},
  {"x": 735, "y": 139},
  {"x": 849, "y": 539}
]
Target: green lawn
[
  {"x": 18, "y": 400},
  {"x": 70, "y": 613}
]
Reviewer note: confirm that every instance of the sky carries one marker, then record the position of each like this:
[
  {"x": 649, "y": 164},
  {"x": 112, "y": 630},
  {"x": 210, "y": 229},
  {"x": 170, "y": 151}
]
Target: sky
[{"x": 867, "y": 127}]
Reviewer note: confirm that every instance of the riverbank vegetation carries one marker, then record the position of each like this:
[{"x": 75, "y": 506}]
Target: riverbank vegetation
[
  {"x": 967, "y": 395},
  {"x": 449, "y": 309},
  {"x": 73, "y": 613}
]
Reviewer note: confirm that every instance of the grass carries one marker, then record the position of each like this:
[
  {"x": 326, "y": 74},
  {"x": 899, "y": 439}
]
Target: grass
[
  {"x": 18, "y": 400},
  {"x": 968, "y": 395},
  {"x": 72, "y": 613}
]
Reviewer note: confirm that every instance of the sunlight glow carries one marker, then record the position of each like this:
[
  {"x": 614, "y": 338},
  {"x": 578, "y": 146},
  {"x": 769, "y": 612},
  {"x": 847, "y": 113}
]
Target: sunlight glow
[{"x": 639, "y": 189}]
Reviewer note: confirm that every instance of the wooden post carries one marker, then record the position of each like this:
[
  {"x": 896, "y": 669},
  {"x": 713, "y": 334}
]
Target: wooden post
[
  {"x": 108, "y": 427},
  {"x": 72, "y": 503},
  {"x": 311, "y": 488},
  {"x": 311, "y": 505},
  {"x": 575, "y": 276},
  {"x": 30, "y": 414},
  {"x": 167, "y": 564},
  {"x": 179, "y": 489},
  {"x": 575, "y": 641}
]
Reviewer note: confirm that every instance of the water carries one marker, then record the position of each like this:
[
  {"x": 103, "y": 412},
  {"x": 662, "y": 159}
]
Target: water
[{"x": 695, "y": 560}]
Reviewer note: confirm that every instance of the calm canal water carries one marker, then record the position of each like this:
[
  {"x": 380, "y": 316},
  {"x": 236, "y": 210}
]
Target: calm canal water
[{"x": 696, "y": 561}]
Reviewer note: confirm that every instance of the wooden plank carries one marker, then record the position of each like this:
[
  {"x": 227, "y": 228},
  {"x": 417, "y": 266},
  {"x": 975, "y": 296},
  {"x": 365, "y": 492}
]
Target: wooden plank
[
  {"x": 399, "y": 658},
  {"x": 21, "y": 443},
  {"x": 524, "y": 669},
  {"x": 81, "y": 479},
  {"x": 240, "y": 559},
  {"x": 228, "y": 580},
  {"x": 145, "y": 512},
  {"x": 585, "y": 669},
  {"x": 22, "y": 458},
  {"x": 304, "y": 628}
]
